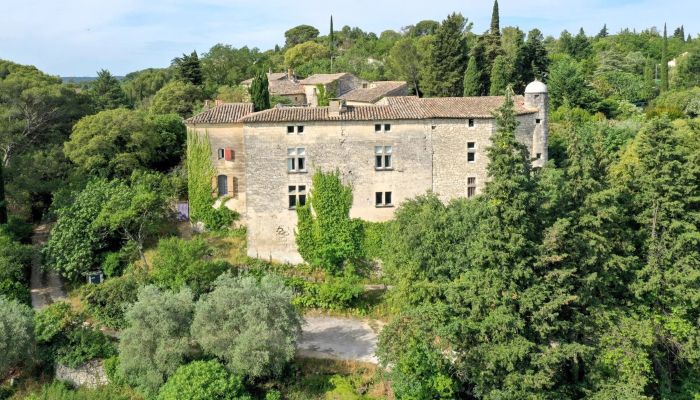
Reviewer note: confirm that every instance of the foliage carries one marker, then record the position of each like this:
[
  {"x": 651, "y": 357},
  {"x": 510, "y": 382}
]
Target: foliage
[
  {"x": 140, "y": 86},
  {"x": 260, "y": 93},
  {"x": 16, "y": 335},
  {"x": 322, "y": 96},
  {"x": 57, "y": 390},
  {"x": 188, "y": 68},
  {"x": 300, "y": 34},
  {"x": 203, "y": 380},
  {"x": 108, "y": 300},
  {"x": 250, "y": 325},
  {"x": 83, "y": 344},
  {"x": 334, "y": 294},
  {"x": 117, "y": 142},
  {"x": 233, "y": 94},
  {"x": 157, "y": 339},
  {"x": 106, "y": 93},
  {"x": 200, "y": 172},
  {"x": 15, "y": 266},
  {"x": 305, "y": 53},
  {"x": 177, "y": 97},
  {"x": 448, "y": 58},
  {"x": 180, "y": 262},
  {"x": 326, "y": 236}
]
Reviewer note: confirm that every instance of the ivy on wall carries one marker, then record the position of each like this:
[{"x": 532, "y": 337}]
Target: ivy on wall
[{"x": 200, "y": 175}]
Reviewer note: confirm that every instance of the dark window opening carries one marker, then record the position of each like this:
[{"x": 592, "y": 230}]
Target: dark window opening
[
  {"x": 471, "y": 186},
  {"x": 382, "y": 199},
  {"x": 300, "y": 129},
  {"x": 471, "y": 122},
  {"x": 377, "y": 127},
  {"x": 537, "y": 120},
  {"x": 220, "y": 153},
  {"x": 387, "y": 127},
  {"x": 222, "y": 185},
  {"x": 290, "y": 129},
  {"x": 297, "y": 196}
]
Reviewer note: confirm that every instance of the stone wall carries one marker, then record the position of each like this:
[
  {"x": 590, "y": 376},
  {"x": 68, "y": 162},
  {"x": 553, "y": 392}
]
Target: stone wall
[
  {"x": 91, "y": 374},
  {"x": 222, "y": 136},
  {"x": 348, "y": 146}
]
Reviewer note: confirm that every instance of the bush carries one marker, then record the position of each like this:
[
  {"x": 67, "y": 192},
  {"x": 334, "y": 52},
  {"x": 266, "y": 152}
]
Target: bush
[
  {"x": 114, "y": 376},
  {"x": 82, "y": 345},
  {"x": 16, "y": 291},
  {"x": 18, "y": 229},
  {"x": 16, "y": 336},
  {"x": 273, "y": 395},
  {"x": 202, "y": 380},
  {"x": 62, "y": 391},
  {"x": 180, "y": 262},
  {"x": 334, "y": 294},
  {"x": 108, "y": 300},
  {"x": 250, "y": 325},
  {"x": 375, "y": 232},
  {"x": 157, "y": 338}
]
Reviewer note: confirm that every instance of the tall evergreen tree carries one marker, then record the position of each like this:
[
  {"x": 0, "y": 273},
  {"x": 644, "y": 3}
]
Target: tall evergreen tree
[
  {"x": 535, "y": 60},
  {"x": 492, "y": 42},
  {"x": 495, "y": 20},
  {"x": 331, "y": 39},
  {"x": 448, "y": 59},
  {"x": 664, "y": 63},
  {"x": 603, "y": 32},
  {"x": 189, "y": 68},
  {"x": 260, "y": 92},
  {"x": 106, "y": 92},
  {"x": 472, "y": 79},
  {"x": 679, "y": 33},
  {"x": 500, "y": 76}
]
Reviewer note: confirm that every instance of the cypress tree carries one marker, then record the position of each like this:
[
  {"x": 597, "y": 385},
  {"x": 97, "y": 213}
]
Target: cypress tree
[
  {"x": 331, "y": 39},
  {"x": 448, "y": 60},
  {"x": 495, "y": 20},
  {"x": 535, "y": 61},
  {"x": 603, "y": 32},
  {"x": 500, "y": 76},
  {"x": 259, "y": 92},
  {"x": 3, "y": 204},
  {"x": 472, "y": 79},
  {"x": 664, "y": 63}
]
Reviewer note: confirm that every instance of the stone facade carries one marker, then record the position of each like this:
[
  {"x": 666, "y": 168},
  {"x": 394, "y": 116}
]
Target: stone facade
[{"x": 436, "y": 145}]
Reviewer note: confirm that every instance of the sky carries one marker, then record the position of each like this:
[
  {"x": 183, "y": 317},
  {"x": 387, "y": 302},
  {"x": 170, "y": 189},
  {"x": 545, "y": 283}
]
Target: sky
[{"x": 80, "y": 37}]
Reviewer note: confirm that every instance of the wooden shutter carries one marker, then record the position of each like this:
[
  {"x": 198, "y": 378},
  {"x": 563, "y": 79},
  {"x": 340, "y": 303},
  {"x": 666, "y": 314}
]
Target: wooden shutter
[{"x": 228, "y": 154}]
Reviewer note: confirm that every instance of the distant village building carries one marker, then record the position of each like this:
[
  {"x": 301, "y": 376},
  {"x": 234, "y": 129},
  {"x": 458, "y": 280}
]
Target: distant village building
[
  {"x": 304, "y": 92},
  {"x": 394, "y": 150}
]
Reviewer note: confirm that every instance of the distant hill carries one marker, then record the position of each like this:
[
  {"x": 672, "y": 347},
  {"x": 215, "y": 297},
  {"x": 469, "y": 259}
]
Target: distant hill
[{"x": 82, "y": 79}]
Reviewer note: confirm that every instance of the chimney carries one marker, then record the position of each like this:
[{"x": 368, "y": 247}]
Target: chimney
[
  {"x": 206, "y": 105},
  {"x": 290, "y": 74},
  {"x": 336, "y": 107},
  {"x": 218, "y": 102}
]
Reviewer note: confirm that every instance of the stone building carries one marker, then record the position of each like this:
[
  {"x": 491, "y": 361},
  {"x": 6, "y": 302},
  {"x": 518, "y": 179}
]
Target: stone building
[
  {"x": 373, "y": 92},
  {"x": 391, "y": 151},
  {"x": 283, "y": 84}
]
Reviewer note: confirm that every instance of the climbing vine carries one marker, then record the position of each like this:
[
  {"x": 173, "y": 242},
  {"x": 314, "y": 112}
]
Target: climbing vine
[
  {"x": 326, "y": 235},
  {"x": 200, "y": 173}
]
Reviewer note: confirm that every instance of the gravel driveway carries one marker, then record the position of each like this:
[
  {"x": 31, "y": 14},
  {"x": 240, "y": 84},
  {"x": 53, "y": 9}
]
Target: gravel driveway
[{"x": 339, "y": 339}]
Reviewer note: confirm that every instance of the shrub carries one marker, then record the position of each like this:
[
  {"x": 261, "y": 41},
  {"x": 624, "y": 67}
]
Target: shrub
[
  {"x": 18, "y": 229},
  {"x": 62, "y": 391},
  {"x": 16, "y": 335},
  {"x": 16, "y": 291},
  {"x": 180, "y": 262},
  {"x": 273, "y": 395},
  {"x": 108, "y": 300},
  {"x": 202, "y": 380},
  {"x": 157, "y": 339},
  {"x": 250, "y": 325},
  {"x": 335, "y": 294},
  {"x": 82, "y": 345},
  {"x": 375, "y": 232},
  {"x": 112, "y": 371}
]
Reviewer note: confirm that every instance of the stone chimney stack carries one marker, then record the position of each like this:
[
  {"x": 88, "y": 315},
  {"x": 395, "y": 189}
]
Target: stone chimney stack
[
  {"x": 218, "y": 102},
  {"x": 536, "y": 97},
  {"x": 206, "y": 105},
  {"x": 336, "y": 107},
  {"x": 290, "y": 74}
]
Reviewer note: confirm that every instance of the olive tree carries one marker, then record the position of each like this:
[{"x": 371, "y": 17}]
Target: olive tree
[
  {"x": 251, "y": 325},
  {"x": 16, "y": 334}
]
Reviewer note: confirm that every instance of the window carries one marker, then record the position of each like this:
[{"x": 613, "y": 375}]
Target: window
[
  {"x": 382, "y": 157},
  {"x": 220, "y": 153},
  {"x": 382, "y": 128},
  {"x": 471, "y": 122},
  {"x": 471, "y": 152},
  {"x": 537, "y": 120},
  {"x": 291, "y": 128},
  {"x": 297, "y": 196},
  {"x": 222, "y": 185},
  {"x": 538, "y": 156},
  {"x": 382, "y": 199},
  {"x": 296, "y": 159},
  {"x": 471, "y": 186}
]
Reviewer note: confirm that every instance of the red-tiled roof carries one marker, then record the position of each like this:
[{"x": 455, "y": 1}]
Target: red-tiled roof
[
  {"x": 375, "y": 91},
  {"x": 322, "y": 79},
  {"x": 222, "y": 114},
  {"x": 397, "y": 108}
]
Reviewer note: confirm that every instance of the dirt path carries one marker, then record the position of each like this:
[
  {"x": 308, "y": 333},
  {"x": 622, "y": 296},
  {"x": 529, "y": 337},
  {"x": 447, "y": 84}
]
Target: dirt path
[
  {"x": 46, "y": 286},
  {"x": 339, "y": 339}
]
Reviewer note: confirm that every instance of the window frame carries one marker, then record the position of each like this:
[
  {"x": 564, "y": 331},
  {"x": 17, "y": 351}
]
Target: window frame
[
  {"x": 382, "y": 127},
  {"x": 296, "y": 196},
  {"x": 220, "y": 153},
  {"x": 290, "y": 129},
  {"x": 471, "y": 152},
  {"x": 471, "y": 123},
  {"x": 296, "y": 156},
  {"x": 471, "y": 186},
  {"x": 380, "y": 199},
  {"x": 219, "y": 191},
  {"x": 383, "y": 158}
]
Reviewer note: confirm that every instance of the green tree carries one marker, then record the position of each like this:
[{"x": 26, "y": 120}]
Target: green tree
[
  {"x": 535, "y": 60},
  {"x": 305, "y": 53},
  {"x": 326, "y": 235},
  {"x": 603, "y": 32},
  {"x": 331, "y": 39},
  {"x": 188, "y": 68},
  {"x": 495, "y": 27},
  {"x": 106, "y": 92},
  {"x": 140, "y": 86},
  {"x": 203, "y": 380},
  {"x": 300, "y": 34},
  {"x": 664, "y": 63},
  {"x": 114, "y": 143},
  {"x": 250, "y": 324},
  {"x": 16, "y": 335},
  {"x": 405, "y": 64},
  {"x": 157, "y": 338},
  {"x": 472, "y": 79},
  {"x": 177, "y": 97},
  {"x": 260, "y": 92},
  {"x": 567, "y": 83},
  {"x": 15, "y": 265},
  {"x": 3, "y": 201},
  {"x": 500, "y": 76},
  {"x": 448, "y": 59}
]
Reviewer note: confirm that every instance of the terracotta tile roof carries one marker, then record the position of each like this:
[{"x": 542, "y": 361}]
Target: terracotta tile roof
[
  {"x": 271, "y": 76},
  {"x": 376, "y": 91},
  {"x": 222, "y": 114},
  {"x": 285, "y": 87},
  {"x": 398, "y": 108},
  {"x": 322, "y": 79}
]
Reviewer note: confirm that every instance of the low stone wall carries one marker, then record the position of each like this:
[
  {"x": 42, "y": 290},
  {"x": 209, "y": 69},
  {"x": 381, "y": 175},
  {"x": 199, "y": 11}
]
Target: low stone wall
[{"x": 91, "y": 374}]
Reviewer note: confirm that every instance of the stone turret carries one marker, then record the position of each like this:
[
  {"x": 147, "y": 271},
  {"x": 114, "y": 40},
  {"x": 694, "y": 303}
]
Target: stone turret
[{"x": 536, "y": 96}]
